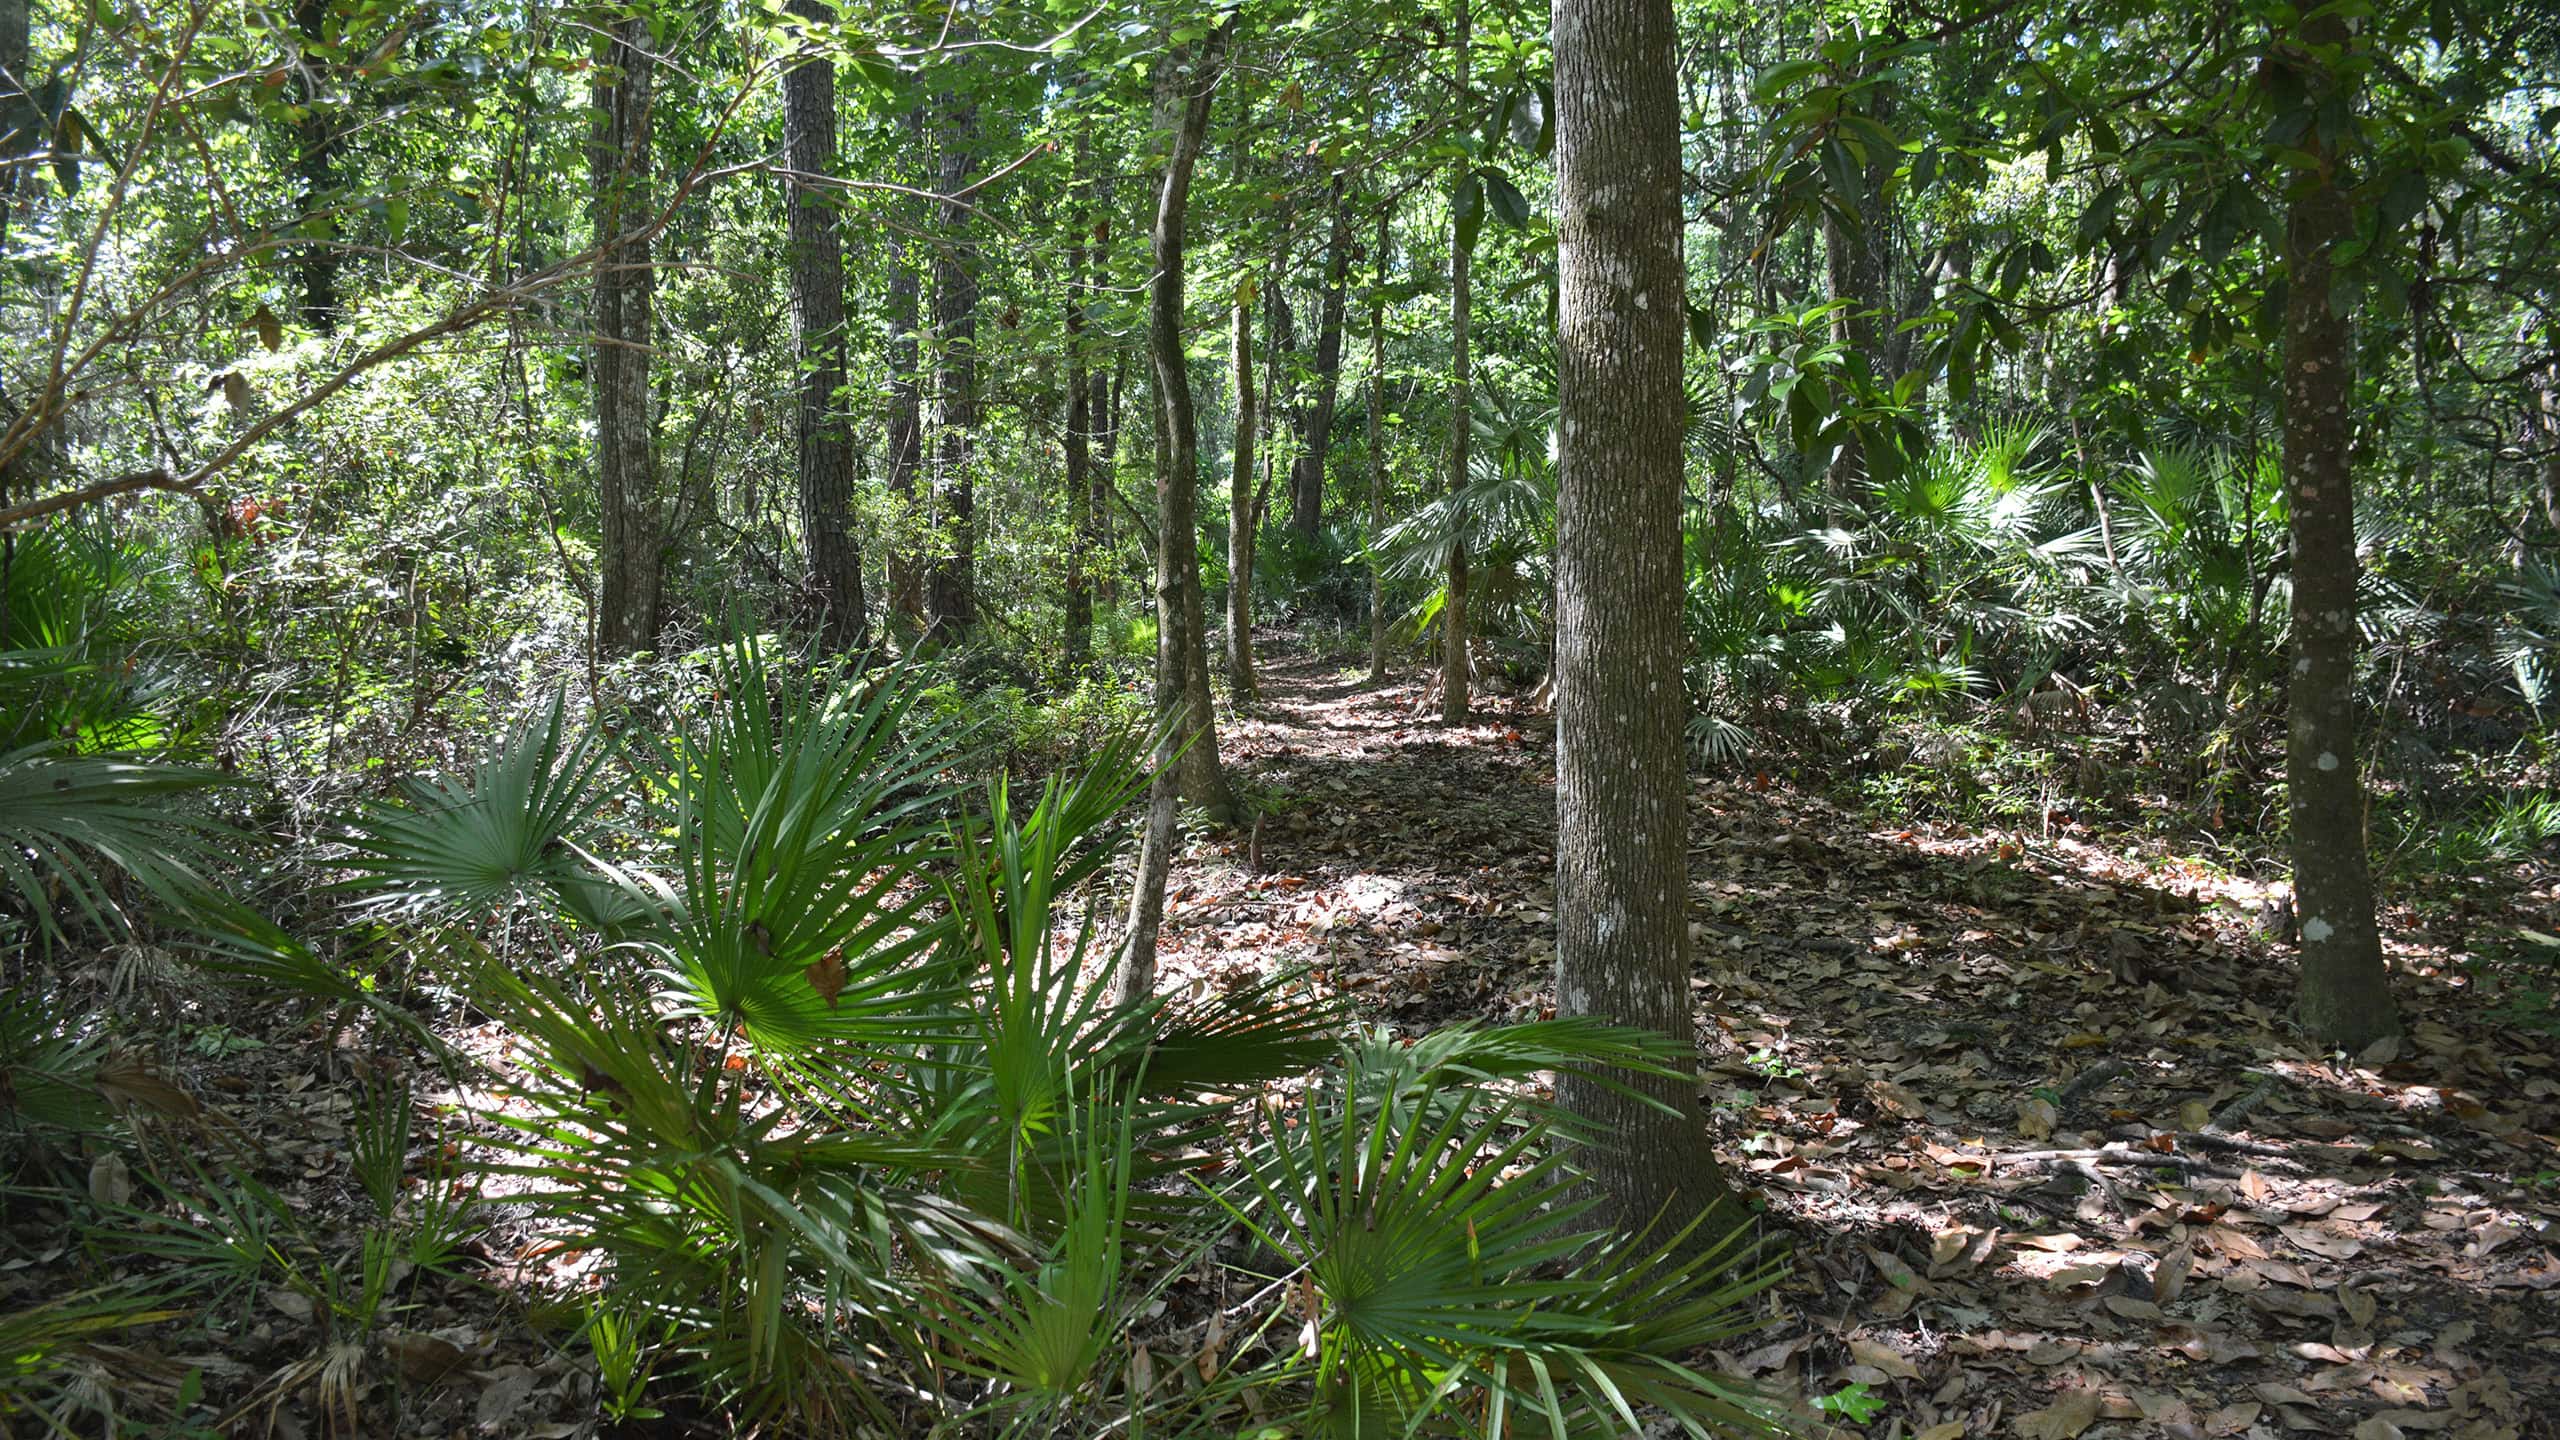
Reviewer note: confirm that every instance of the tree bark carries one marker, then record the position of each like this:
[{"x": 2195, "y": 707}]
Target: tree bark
[
  {"x": 1622, "y": 882},
  {"x": 951, "y": 592},
  {"x": 1378, "y": 461},
  {"x": 1188, "y": 78},
  {"x": 1856, "y": 263},
  {"x": 1079, "y": 621},
  {"x": 906, "y": 413},
  {"x": 316, "y": 145},
  {"x": 1456, "y": 673},
  {"x": 816, "y": 265},
  {"x": 2344, "y": 998},
  {"x": 1240, "y": 506},
  {"x": 1315, "y": 415},
  {"x": 626, "y": 449},
  {"x": 1106, "y": 400}
]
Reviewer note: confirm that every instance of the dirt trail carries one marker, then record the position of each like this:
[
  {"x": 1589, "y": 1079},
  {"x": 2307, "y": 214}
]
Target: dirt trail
[{"x": 2051, "y": 1159}]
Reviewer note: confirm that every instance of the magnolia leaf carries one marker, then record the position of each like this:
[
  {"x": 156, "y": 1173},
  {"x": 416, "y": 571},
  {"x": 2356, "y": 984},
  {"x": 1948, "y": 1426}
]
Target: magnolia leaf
[{"x": 270, "y": 330}]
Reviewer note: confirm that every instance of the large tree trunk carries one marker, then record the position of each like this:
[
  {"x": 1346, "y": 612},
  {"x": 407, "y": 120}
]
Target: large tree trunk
[
  {"x": 1079, "y": 620},
  {"x": 1315, "y": 415},
  {"x": 315, "y": 164},
  {"x": 2345, "y": 994},
  {"x": 1189, "y": 77},
  {"x": 906, "y": 413},
  {"x": 951, "y": 590},
  {"x": 1622, "y": 879},
  {"x": 1378, "y": 461},
  {"x": 817, "y": 323},
  {"x": 1456, "y": 671},
  {"x": 626, "y": 450},
  {"x": 1240, "y": 505}
]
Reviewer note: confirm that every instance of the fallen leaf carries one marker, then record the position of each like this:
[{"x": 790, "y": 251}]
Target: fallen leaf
[
  {"x": 2037, "y": 1117},
  {"x": 1883, "y": 1357},
  {"x": 2232, "y": 1419},
  {"x": 2064, "y": 1419}
]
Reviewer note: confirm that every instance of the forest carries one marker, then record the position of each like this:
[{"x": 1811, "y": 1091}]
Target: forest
[{"x": 1281, "y": 718}]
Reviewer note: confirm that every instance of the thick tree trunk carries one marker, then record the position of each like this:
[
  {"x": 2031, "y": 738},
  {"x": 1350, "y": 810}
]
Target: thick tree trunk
[
  {"x": 1456, "y": 670},
  {"x": 816, "y": 264},
  {"x": 1189, "y": 77},
  {"x": 2345, "y": 993},
  {"x": 1378, "y": 461},
  {"x": 1079, "y": 621},
  {"x": 951, "y": 589},
  {"x": 1622, "y": 880},
  {"x": 1315, "y": 415},
  {"x": 626, "y": 450},
  {"x": 906, "y": 414},
  {"x": 1240, "y": 505},
  {"x": 315, "y": 164}
]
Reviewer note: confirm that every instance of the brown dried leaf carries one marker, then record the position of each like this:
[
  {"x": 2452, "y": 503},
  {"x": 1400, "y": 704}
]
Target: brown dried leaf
[{"x": 2064, "y": 1419}]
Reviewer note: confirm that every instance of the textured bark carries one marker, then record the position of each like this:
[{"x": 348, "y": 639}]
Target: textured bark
[
  {"x": 816, "y": 268},
  {"x": 2345, "y": 993},
  {"x": 316, "y": 144},
  {"x": 626, "y": 450},
  {"x": 1315, "y": 415},
  {"x": 1240, "y": 506},
  {"x": 906, "y": 412},
  {"x": 1622, "y": 883},
  {"x": 1188, "y": 78},
  {"x": 1078, "y": 641},
  {"x": 951, "y": 587},
  {"x": 1456, "y": 673},
  {"x": 1378, "y": 462}
]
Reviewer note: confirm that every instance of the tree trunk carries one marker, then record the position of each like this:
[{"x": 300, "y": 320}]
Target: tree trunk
[
  {"x": 1856, "y": 263},
  {"x": 1456, "y": 673},
  {"x": 1189, "y": 77},
  {"x": 2345, "y": 993},
  {"x": 951, "y": 589},
  {"x": 1079, "y": 636},
  {"x": 315, "y": 163},
  {"x": 816, "y": 265},
  {"x": 1240, "y": 505},
  {"x": 1622, "y": 880},
  {"x": 1106, "y": 402},
  {"x": 1378, "y": 461},
  {"x": 1315, "y": 416},
  {"x": 906, "y": 412},
  {"x": 626, "y": 450}
]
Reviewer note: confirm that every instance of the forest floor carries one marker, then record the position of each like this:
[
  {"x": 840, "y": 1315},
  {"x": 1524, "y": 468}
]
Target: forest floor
[{"x": 2026, "y": 1111}]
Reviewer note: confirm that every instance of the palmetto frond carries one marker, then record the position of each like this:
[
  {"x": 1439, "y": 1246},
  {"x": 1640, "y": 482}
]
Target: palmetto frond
[{"x": 70, "y": 824}]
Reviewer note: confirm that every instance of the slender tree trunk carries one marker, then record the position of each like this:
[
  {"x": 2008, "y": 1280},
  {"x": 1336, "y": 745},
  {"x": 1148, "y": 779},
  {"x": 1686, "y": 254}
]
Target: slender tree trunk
[
  {"x": 1378, "y": 461},
  {"x": 817, "y": 322},
  {"x": 1106, "y": 474},
  {"x": 1189, "y": 78},
  {"x": 1456, "y": 672},
  {"x": 1622, "y": 878},
  {"x": 1856, "y": 261},
  {"x": 1280, "y": 348},
  {"x": 315, "y": 164},
  {"x": 1315, "y": 416},
  {"x": 1240, "y": 505},
  {"x": 2345, "y": 993},
  {"x": 906, "y": 413},
  {"x": 951, "y": 589},
  {"x": 626, "y": 450},
  {"x": 1079, "y": 636}
]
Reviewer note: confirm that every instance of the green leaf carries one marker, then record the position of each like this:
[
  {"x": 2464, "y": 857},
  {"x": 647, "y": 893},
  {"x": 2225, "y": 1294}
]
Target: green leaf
[
  {"x": 1467, "y": 209},
  {"x": 1509, "y": 205}
]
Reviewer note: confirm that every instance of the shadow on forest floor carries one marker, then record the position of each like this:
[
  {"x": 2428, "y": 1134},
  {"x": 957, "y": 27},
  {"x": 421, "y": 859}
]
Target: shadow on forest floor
[{"x": 2051, "y": 1160}]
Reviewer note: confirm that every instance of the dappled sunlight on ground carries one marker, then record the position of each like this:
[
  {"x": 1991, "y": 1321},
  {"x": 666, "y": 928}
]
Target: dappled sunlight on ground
[{"x": 2026, "y": 1105}]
